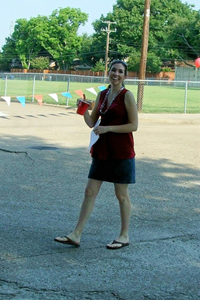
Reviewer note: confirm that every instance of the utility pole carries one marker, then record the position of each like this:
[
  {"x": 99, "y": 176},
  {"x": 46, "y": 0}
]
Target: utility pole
[
  {"x": 108, "y": 31},
  {"x": 143, "y": 59}
]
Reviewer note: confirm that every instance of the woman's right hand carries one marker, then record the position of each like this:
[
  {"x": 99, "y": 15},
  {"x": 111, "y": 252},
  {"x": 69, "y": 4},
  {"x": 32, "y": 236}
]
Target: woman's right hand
[{"x": 90, "y": 102}]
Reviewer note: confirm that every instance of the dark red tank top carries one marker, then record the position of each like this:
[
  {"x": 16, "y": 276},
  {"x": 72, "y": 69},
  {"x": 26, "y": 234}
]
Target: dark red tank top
[{"x": 114, "y": 145}]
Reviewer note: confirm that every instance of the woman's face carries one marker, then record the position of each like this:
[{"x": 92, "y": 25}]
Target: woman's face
[{"x": 117, "y": 74}]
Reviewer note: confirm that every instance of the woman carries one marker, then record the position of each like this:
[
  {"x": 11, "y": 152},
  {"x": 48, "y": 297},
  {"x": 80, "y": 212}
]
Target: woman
[{"x": 113, "y": 156}]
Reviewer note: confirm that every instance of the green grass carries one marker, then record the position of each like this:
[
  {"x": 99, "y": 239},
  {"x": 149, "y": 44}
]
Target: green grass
[{"x": 156, "y": 99}]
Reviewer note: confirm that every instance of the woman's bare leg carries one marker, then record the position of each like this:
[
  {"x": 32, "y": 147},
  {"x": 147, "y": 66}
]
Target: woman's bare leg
[
  {"x": 91, "y": 193},
  {"x": 122, "y": 194}
]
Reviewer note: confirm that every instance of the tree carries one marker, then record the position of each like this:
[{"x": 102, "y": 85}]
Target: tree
[
  {"x": 9, "y": 56},
  {"x": 174, "y": 33},
  {"x": 40, "y": 63},
  {"x": 4, "y": 65},
  {"x": 55, "y": 36},
  {"x": 127, "y": 40},
  {"x": 25, "y": 38},
  {"x": 128, "y": 15},
  {"x": 59, "y": 36},
  {"x": 85, "y": 53},
  {"x": 99, "y": 66},
  {"x": 183, "y": 41},
  {"x": 153, "y": 62}
]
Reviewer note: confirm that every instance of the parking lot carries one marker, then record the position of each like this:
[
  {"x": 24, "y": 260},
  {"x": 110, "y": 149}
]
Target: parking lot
[{"x": 43, "y": 172}]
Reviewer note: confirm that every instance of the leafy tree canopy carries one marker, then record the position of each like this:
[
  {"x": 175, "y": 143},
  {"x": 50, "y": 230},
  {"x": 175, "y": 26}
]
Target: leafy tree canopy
[
  {"x": 174, "y": 33},
  {"x": 171, "y": 30},
  {"x": 40, "y": 63},
  {"x": 55, "y": 36}
]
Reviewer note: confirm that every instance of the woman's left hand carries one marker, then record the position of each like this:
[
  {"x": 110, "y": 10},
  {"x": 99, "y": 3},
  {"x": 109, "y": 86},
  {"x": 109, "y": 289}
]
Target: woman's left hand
[{"x": 100, "y": 130}]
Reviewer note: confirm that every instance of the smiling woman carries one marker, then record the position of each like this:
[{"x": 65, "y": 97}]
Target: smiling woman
[{"x": 113, "y": 155}]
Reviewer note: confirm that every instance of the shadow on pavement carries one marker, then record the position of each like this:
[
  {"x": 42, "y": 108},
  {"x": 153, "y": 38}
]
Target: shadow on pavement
[{"x": 41, "y": 194}]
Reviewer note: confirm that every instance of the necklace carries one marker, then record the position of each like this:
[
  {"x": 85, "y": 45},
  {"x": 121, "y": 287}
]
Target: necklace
[{"x": 102, "y": 107}]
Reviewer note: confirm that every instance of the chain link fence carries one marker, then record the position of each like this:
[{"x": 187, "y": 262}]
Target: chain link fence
[{"x": 152, "y": 96}]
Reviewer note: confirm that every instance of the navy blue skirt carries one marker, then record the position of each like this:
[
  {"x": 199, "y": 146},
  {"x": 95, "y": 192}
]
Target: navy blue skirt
[{"x": 116, "y": 170}]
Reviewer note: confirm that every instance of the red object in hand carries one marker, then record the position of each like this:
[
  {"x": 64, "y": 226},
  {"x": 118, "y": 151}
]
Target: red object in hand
[{"x": 82, "y": 107}]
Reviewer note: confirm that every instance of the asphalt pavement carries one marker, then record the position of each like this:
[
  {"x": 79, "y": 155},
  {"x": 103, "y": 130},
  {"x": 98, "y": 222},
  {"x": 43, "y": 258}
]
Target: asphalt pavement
[{"x": 43, "y": 172}]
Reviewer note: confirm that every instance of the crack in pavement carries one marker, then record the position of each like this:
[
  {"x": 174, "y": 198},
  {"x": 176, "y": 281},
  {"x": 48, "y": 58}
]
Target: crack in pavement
[
  {"x": 16, "y": 152},
  {"x": 11, "y": 289},
  {"x": 184, "y": 238},
  {"x": 191, "y": 236}
]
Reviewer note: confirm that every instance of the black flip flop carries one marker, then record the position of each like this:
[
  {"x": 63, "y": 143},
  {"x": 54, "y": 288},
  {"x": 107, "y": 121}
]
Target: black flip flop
[
  {"x": 67, "y": 242},
  {"x": 118, "y": 243}
]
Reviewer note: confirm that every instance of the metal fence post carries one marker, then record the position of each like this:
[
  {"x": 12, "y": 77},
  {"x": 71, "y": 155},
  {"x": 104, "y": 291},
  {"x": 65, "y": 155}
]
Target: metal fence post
[
  {"x": 68, "y": 84},
  {"x": 5, "y": 92},
  {"x": 33, "y": 93},
  {"x": 185, "y": 100}
]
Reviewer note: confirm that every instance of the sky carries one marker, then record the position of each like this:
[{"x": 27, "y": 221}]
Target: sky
[{"x": 11, "y": 10}]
